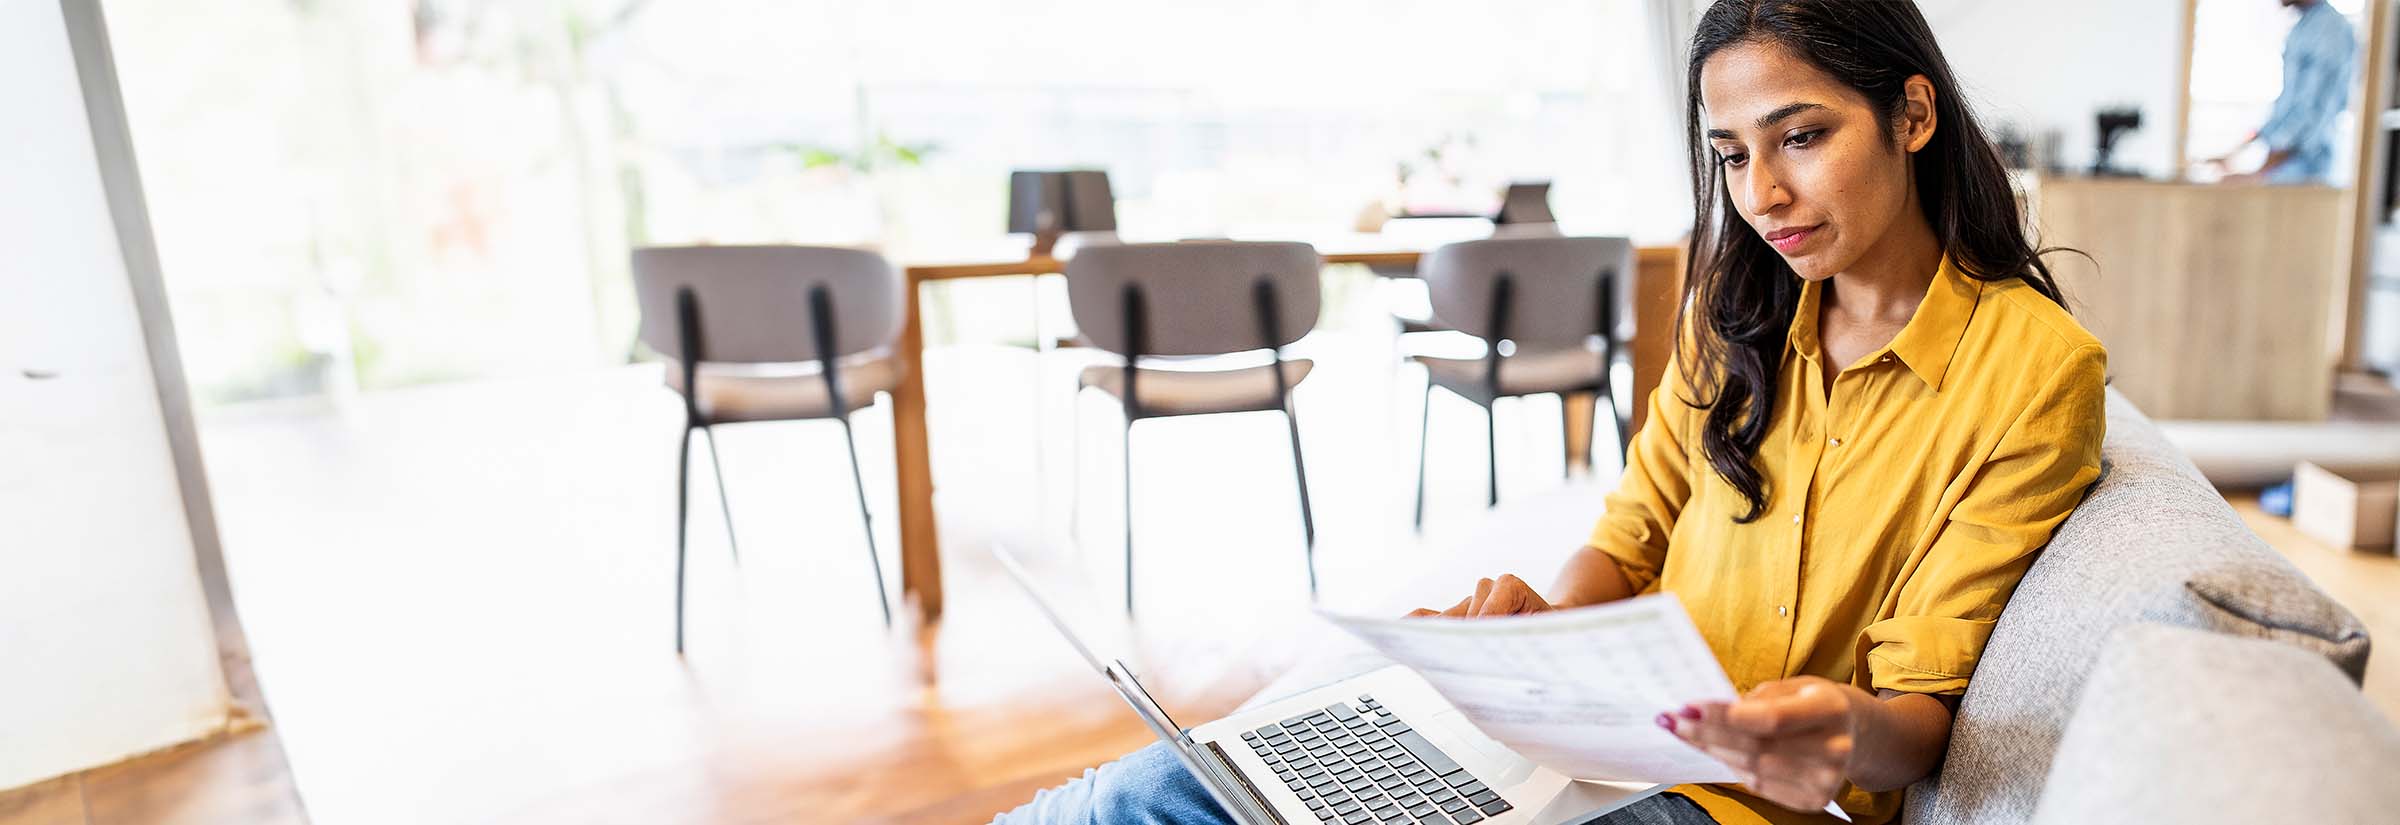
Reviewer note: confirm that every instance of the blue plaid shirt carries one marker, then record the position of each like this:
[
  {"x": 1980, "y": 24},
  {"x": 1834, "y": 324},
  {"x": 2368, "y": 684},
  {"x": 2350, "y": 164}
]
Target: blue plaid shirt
[{"x": 2318, "y": 58}]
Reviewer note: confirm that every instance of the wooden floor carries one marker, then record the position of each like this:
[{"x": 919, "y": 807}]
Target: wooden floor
[
  {"x": 2366, "y": 582},
  {"x": 239, "y": 778},
  {"x": 460, "y": 598}
]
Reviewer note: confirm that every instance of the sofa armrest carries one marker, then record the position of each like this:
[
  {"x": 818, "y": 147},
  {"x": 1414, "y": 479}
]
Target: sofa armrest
[{"x": 2187, "y": 726}]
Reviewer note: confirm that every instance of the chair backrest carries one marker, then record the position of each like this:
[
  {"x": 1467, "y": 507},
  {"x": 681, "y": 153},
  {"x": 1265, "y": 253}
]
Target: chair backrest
[
  {"x": 1197, "y": 297},
  {"x": 1070, "y": 243},
  {"x": 1527, "y": 230},
  {"x": 1554, "y": 286},
  {"x": 754, "y": 300}
]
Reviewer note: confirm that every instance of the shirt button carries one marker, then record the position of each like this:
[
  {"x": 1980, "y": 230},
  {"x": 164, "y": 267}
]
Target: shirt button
[
  {"x": 1884, "y": 360},
  {"x": 1837, "y": 442},
  {"x": 1795, "y": 518},
  {"x": 1781, "y": 610}
]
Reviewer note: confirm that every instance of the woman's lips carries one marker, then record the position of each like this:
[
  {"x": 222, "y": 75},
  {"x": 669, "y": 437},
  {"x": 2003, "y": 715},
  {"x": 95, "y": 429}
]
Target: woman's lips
[{"x": 1786, "y": 240}]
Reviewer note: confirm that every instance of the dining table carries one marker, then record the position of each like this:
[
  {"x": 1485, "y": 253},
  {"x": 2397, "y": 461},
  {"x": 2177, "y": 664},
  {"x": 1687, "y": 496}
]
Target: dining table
[{"x": 1657, "y": 293}]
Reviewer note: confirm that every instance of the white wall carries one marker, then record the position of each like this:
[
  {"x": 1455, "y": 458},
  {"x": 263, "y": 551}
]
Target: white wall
[
  {"x": 105, "y": 645},
  {"x": 2049, "y": 64}
]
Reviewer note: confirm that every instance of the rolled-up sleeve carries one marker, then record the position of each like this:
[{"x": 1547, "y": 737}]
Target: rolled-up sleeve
[
  {"x": 2036, "y": 474},
  {"x": 1654, "y": 488}
]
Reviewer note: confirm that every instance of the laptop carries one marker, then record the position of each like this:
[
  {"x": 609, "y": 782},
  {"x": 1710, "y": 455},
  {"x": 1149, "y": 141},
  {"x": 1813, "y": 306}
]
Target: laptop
[{"x": 1372, "y": 749}]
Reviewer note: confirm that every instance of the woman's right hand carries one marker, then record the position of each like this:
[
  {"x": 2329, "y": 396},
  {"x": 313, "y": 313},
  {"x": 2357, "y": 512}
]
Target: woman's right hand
[{"x": 1504, "y": 596}]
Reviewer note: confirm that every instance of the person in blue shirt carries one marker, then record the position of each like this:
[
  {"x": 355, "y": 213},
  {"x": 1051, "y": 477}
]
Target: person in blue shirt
[{"x": 2318, "y": 58}]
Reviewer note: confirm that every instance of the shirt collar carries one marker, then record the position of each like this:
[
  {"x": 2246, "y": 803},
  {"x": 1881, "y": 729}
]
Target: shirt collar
[{"x": 1929, "y": 341}]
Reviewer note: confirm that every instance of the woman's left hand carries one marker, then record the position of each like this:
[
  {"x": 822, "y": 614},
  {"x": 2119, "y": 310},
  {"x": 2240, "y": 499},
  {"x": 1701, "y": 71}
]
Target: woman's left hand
[{"x": 1791, "y": 739}]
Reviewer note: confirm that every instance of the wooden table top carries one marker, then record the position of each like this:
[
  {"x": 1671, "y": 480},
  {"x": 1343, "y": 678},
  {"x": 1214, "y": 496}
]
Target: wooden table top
[{"x": 1000, "y": 259}]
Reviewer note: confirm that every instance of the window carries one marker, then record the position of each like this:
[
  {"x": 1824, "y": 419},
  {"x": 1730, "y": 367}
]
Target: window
[
  {"x": 2237, "y": 70},
  {"x": 372, "y": 195}
]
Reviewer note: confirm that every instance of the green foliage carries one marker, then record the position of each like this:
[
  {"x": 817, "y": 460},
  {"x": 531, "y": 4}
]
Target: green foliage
[{"x": 881, "y": 153}]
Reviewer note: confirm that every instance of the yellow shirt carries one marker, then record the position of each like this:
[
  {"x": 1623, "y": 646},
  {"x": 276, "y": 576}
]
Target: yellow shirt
[{"x": 1903, "y": 503}]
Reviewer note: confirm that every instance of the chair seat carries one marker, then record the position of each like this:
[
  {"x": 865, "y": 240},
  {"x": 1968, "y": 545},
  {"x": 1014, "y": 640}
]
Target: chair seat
[
  {"x": 1195, "y": 392},
  {"x": 783, "y": 392},
  {"x": 1558, "y": 370}
]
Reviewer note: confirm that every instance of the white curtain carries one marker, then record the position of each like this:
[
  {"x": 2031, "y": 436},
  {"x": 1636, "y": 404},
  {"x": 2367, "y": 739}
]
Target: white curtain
[
  {"x": 1668, "y": 39},
  {"x": 1671, "y": 24}
]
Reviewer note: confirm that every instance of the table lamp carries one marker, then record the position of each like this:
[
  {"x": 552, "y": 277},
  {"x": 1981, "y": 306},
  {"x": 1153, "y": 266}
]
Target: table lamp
[
  {"x": 1526, "y": 203},
  {"x": 1047, "y": 204}
]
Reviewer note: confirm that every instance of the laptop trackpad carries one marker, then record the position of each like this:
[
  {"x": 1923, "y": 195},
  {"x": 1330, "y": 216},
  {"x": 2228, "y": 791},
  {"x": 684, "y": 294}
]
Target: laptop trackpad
[{"x": 1490, "y": 761}]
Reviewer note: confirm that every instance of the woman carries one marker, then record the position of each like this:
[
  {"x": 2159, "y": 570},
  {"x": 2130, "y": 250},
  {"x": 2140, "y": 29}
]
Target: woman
[{"x": 1880, "y": 410}]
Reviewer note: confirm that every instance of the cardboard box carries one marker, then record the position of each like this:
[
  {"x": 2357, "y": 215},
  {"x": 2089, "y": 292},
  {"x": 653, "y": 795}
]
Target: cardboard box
[{"x": 2352, "y": 507}]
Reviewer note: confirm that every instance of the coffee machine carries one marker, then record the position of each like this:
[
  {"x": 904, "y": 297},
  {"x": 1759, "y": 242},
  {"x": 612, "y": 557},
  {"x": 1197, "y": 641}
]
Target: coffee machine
[{"x": 2113, "y": 124}]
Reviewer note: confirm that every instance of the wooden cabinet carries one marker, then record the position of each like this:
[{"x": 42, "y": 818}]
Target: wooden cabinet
[{"x": 2216, "y": 301}]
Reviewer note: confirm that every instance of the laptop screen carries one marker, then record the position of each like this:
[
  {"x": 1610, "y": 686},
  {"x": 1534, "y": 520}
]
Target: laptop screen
[
  {"x": 1121, "y": 675},
  {"x": 1024, "y": 579}
]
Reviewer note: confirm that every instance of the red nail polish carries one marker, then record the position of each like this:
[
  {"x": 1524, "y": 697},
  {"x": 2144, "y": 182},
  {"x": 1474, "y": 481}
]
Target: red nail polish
[
  {"x": 1689, "y": 712},
  {"x": 1666, "y": 721}
]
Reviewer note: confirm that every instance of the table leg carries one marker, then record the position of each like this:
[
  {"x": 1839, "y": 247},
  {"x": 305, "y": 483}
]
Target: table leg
[
  {"x": 1657, "y": 291},
  {"x": 1577, "y": 420},
  {"x": 920, "y": 548}
]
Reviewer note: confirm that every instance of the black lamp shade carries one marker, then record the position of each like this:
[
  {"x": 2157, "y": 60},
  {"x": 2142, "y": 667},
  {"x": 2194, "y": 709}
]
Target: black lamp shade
[
  {"x": 1035, "y": 200},
  {"x": 1526, "y": 203},
  {"x": 1060, "y": 201}
]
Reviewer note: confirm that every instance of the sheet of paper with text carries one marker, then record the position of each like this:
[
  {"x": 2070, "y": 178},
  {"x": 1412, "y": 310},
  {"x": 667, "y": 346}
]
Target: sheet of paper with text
[{"x": 1577, "y": 691}]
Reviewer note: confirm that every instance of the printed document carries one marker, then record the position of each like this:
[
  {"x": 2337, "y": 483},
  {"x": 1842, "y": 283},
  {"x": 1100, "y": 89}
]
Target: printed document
[{"x": 1576, "y": 691}]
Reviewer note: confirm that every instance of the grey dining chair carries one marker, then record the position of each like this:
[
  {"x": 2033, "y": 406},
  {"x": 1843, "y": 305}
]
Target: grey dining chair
[
  {"x": 1546, "y": 309},
  {"x": 1146, "y": 302},
  {"x": 769, "y": 333},
  {"x": 1410, "y": 323}
]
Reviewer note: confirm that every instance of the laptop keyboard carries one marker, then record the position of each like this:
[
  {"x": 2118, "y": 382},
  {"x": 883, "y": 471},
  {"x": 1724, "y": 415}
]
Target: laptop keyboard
[{"x": 1360, "y": 765}]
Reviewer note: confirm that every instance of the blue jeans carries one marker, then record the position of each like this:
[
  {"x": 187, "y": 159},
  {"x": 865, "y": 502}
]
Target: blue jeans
[{"x": 1149, "y": 787}]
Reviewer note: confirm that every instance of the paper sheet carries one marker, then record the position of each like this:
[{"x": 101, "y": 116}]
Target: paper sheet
[{"x": 1577, "y": 691}]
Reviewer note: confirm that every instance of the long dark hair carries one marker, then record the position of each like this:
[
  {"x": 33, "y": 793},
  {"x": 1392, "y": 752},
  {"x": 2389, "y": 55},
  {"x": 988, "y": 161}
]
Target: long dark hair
[{"x": 1744, "y": 293}]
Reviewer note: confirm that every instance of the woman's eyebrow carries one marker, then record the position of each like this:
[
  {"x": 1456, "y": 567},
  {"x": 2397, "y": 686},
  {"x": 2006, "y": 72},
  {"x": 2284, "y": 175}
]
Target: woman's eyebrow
[
  {"x": 1769, "y": 120},
  {"x": 1788, "y": 110}
]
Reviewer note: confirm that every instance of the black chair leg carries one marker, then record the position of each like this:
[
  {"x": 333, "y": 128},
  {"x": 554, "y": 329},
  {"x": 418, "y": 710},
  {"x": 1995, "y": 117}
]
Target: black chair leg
[
  {"x": 724, "y": 499},
  {"x": 1308, "y": 519},
  {"x": 1491, "y": 444},
  {"x": 1128, "y": 456},
  {"x": 866, "y": 519},
  {"x": 1424, "y": 426},
  {"x": 683, "y": 510}
]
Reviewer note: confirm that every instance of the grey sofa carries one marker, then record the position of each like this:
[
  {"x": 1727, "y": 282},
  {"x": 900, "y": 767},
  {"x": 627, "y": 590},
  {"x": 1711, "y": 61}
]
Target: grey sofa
[
  {"x": 2184, "y": 725},
  {"x": 2153, "y": 543},
  {"x": 2152, "y": 549}
]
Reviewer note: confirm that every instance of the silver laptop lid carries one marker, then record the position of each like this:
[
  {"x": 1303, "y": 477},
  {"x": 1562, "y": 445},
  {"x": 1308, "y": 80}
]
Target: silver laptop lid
[
  {"x": 1118, "y": 673},
  {"x": 1212, "y": 773},
  {"x": 1024, "y": 579}
]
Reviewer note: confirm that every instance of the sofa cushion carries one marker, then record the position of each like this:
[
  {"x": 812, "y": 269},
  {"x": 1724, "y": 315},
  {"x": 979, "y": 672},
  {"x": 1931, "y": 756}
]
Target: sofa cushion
[
  {"x": 2152, "y": 543},
  {"x": 2186, "y": 726}
]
